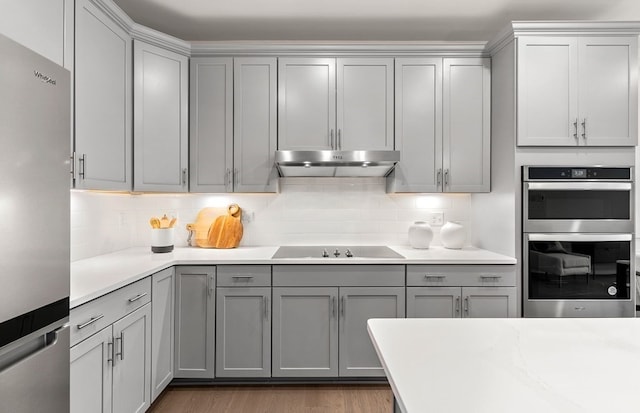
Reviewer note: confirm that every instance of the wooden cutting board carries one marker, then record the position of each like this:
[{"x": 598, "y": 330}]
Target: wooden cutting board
[
  {"x": 205, "y": 221},
  {"x": 226, "y": 231}
]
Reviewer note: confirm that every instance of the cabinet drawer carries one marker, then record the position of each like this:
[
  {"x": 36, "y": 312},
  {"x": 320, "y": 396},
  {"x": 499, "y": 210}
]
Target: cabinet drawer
[
  {"x": 93, "y": 316},
  {"x": 244, "y": 276},
  {"x": 461, "y": 275},
  {"x": 383, "y": 275}
]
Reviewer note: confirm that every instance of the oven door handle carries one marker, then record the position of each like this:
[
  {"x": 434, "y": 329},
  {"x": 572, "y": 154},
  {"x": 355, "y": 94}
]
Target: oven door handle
[
  {"x": 579, "y": 186},
  {"x": 579, "y": 237}
]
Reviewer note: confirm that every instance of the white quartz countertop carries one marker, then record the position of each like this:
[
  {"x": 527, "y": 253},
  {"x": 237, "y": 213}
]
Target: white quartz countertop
[
  {"x": 563, "y": 365},
  {"x": 94, "y": 277}
]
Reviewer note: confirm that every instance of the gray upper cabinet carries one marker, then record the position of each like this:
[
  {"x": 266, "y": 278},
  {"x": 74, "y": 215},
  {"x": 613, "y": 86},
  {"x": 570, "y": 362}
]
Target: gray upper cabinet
[
  {"x": 103, "y": 112},
  {"x": 211, "y": 120},
  {"x": 255, "y": 124},
  {"x": 418, "y": 123},
  {"x": 358, "y": 357},
  {"x": 466, "y": 125},
  {"x": 306, "y": 103},
  {"x": 339, "y": 104},
  {"x": 160, "y": 119},
  {"x": 305, "y": 332},
  {"x": 195, "y": 322},
  {"x": 577, "y": 91}
]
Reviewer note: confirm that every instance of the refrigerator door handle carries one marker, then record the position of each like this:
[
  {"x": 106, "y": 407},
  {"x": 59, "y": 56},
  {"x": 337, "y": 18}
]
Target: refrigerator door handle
[{"x": 30, "y": 348}]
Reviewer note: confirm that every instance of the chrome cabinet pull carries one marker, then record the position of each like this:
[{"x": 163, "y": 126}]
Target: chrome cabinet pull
[
  {"x": 110, "y": 352},
  {"x": 331, "y": 144},
  {"x": 458, "y": 304},
  {"x": 466, "y": 305},
  {"x": 209, "y": 285},
  {"x": 446, "y": 177},
  {"x": 184, "y": 176},
  {"x": 81, "y": 165},
  {"x": 439, "y": 178},
  {"x": 73, "y": 165},
  {"x": 584, "y": 128},
  {"x": 265, "y": 302},
  {"x": 240, "y": 277},
  {"x": 227, "y": 179},
  {"x": 490, "y": 277},
  {"x": 236, "y": 177},
  {"x": 575, "y": 129},
  {"x": 333, "y": 306},
  {"x": 91, "y": 321},
  {"x": 343, "y": 309},
  {"x": 434, "y": 277},
  {"x": 339, "y": 143},
  {"x": 137, "y": 297},
  {"x": 121, "y": 352}
]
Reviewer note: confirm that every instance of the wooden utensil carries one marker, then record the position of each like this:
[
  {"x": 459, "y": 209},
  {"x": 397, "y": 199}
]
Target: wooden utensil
[
  {"x": 164, "y": 221},
  {"x": 155, "y": 223},
  {"x": 226, "y": 231}
]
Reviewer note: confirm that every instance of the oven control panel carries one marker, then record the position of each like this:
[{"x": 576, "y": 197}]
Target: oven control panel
[{"x": 551, "y": 173}]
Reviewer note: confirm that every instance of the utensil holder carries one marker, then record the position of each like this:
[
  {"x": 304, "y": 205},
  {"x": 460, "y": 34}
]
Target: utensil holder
[{"x": 162, "y": 240}]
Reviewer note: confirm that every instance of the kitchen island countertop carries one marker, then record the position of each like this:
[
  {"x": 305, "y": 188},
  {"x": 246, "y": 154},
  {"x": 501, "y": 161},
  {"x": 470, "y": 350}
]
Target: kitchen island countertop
[
  {"x": 96, "y": 276},
  {"x": 561, "y": 365}
]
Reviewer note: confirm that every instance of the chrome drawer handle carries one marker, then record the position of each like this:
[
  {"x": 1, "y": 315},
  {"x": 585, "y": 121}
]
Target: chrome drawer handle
[
  {"x": 91, "y": 321},
  {"x": 242, "y": 277},
  {"x": 434, "y": 277},
  {"x": 137, "y": 297},
  {"x": 490, "y": 277}
]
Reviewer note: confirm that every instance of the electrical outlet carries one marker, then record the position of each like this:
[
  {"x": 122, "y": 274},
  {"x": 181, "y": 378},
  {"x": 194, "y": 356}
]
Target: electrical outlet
[{"x": 436, "y": 218}]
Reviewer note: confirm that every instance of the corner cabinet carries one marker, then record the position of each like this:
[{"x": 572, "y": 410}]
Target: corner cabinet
[
  {"x": 160, "y": 150},
  {"x": 577, "y": 90},
  {"x": 162, "y": 330},
  {"x": 233, "y": 125},
  {"x": 335, "y": 104},
  {"x": 454, "y": 291},
  {"x": 103, "y": 101},
  {"x": 443, "y": 126},
  {"x": 195, "y": 322}
]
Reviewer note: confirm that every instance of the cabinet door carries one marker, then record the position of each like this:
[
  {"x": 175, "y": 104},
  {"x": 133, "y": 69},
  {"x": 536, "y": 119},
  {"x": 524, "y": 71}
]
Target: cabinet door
[
  {"x": 255, "y": 124},
  {"x": 102, "y": 101},
  {"x": 306, "y": 103},
  {"x": 195, "y": 322},
  {"x": 489, "y": 302},
  {"x": 466, "y": 124},
  {"x": 358, "y": 357},
  {"x": 243, "y": 332},
  {"x": 305, "y": 332},
  {"x": 162, "y": 330},
  {"x": 418, "y": 124},
  {"x": 433, "y": 302},
  {"x": 364, "y": 104},
  {"x": 211, "y": 121},
  {"x": 160, "y": 129},
  {"x": 132, "y": 361},
  {"x": 91, "y": 373},
  {"x": 547, "y": 91},
  {"x": 608, "y": 90}
]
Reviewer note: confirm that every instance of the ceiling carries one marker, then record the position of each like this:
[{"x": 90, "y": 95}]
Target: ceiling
[{"x": 361, "y": 20}]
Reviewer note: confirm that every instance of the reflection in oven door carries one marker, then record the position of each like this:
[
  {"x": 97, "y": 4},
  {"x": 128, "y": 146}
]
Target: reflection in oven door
[{"x": 592, "y": 269}]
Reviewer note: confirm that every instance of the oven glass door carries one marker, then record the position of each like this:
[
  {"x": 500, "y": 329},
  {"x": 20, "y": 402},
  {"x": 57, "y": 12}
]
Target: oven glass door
[
  {"x": 578, "y": 207},
  {"x": 578, "y": 266}
]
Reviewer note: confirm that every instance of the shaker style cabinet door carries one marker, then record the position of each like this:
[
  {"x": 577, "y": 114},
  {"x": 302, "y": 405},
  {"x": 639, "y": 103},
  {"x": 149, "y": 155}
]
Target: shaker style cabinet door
[
  {"x": 358, "y": 357},
  {"x": 255, "y": 124},
  {"x": 364, "y": 105},
  {"x": 102, "y": 101},
  {"x": 160, "y": 130},
  {"x": 466, "y": 129},
  {"x": 91, "y": 373},
  {"x": 608, "y": 90},
  {"x": 211, "y": 125},
  {"x": 243, "y": 336},
  {"x": 547, "y": 91},
  {"x": 306, "y": 103},
  {"x": 132, "y": 361},
  {"x": 433, "y": 302},
  {"x": 418, "y": 124},
  {"x": 195, "y": 322},
  {"x": 162, "y": 330},
  {"x": 489, "y": 302},
  {"x": 305, "y": 332}
]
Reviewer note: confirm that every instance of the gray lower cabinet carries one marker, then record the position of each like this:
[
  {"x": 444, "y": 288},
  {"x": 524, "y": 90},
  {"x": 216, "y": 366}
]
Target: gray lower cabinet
[
  {"x": 450, "y": 291},
  {"x": 162, "y": 330},
  {"x": 110, "y": 370},
  {"x": 305, "y": 332},
  {"x": 195, "y": 322},
  {"x": 358, "y": 357}
]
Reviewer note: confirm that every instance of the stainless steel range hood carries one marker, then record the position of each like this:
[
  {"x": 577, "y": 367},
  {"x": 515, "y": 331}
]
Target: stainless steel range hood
[{"x": 336, "y": 163}]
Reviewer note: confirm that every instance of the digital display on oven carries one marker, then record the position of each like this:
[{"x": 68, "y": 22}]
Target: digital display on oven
[{"x": 578, "y": 173}]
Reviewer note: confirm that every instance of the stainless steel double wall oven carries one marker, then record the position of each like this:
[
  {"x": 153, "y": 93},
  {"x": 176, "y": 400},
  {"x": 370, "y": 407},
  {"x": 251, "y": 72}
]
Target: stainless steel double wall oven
[{"x": 578, "y": 241}]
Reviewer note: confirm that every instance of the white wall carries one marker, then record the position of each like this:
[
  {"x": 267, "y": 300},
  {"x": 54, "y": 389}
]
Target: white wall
[{"x": 306, "y": 211}]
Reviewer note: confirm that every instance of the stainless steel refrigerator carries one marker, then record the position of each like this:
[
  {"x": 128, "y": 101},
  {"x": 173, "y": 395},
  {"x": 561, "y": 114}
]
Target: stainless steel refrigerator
[{"x": 34, "y": 231}]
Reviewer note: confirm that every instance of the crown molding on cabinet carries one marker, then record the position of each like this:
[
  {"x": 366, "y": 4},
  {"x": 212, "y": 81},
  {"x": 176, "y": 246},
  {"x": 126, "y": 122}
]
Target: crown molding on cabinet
[
  {"x": 561, "y": 28},
  {"x": 140, "y": 32}
]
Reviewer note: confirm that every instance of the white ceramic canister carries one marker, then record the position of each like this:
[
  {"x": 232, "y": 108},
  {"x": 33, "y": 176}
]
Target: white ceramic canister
[
  {"x": 420, "y": 235},
  {"x": 162, "y": 239},
  {"x": 453, "y": 235}
]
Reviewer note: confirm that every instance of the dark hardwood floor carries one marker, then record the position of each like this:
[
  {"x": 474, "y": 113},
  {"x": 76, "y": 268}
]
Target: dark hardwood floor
[{"x": 330, "y": 398}]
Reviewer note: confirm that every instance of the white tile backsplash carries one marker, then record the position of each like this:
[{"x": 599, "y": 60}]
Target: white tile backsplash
[{"x": 306, "y": 211}]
